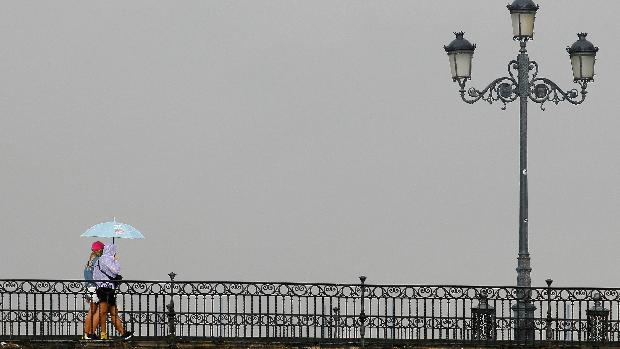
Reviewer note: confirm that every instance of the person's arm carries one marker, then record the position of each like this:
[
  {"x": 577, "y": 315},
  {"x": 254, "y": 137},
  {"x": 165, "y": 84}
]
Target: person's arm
[
  {"x": 111, "y": 267},
  {"x": 115, "y": 267}
]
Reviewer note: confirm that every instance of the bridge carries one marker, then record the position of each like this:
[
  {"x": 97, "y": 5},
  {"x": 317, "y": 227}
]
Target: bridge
[{"x": 360, "y": 314}]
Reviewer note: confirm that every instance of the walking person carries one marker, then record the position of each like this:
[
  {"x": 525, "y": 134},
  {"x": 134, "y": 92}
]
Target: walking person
[
  {"x": 92, "y": 317},
  {"x": 106, "y": 272}
]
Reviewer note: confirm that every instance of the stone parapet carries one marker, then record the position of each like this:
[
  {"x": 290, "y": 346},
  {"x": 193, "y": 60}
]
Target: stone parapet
[{"x": 269, "y": 343}]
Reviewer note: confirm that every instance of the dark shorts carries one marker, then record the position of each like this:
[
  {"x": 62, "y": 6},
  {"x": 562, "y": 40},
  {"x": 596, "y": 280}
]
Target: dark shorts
[{"x": 106, "y": 295}]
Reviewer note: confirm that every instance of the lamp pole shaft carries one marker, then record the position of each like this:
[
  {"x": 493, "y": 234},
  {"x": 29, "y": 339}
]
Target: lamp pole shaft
[
  {"x": 524, "y": 309},
  {"x": 523, "y": 260}
]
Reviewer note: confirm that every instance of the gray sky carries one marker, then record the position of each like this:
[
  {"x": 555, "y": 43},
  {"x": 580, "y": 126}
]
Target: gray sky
[{"x": 301, "y": 141}]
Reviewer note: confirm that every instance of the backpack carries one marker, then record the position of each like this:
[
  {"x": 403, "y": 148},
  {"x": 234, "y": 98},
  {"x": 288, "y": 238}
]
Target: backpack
[{"x": 88, "y": 272}]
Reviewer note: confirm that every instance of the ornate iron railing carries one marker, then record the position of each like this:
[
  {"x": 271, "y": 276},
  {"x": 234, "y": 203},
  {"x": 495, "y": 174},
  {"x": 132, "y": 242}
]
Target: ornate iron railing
[{"x": 189, "y": 309}]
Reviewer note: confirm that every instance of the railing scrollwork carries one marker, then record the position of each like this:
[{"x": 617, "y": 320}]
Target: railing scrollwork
[{"x": 357, "y": 311}]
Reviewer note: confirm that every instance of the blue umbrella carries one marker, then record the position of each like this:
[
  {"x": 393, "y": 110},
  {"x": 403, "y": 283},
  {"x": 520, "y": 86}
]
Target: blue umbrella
[{"x": 113, "y": 229}]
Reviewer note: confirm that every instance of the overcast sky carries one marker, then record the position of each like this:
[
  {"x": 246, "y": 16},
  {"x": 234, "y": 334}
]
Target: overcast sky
[{"x": 301, "y": 141}]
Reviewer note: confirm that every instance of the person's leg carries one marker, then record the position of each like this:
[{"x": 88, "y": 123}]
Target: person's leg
[
  {"x": 95, "y": 320},
  {"x": 116, "y": 320},
  {"x": 89, "y": 321},
  {"x": 103, "y": 316}
]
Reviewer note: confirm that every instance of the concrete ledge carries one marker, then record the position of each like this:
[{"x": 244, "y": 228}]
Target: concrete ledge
[{"x": 275, "y": 343}]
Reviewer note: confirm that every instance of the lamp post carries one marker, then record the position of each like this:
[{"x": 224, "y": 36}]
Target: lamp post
[{"x": 525, "y": 86}]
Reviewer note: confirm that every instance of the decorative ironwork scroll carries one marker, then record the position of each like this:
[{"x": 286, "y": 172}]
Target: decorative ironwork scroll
[{"x": 317, "y": 311}]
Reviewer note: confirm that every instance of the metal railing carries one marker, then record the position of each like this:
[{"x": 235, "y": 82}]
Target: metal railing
[{"x": 354, "y": 312}]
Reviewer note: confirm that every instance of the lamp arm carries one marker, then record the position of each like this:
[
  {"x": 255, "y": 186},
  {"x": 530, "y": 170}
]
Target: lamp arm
[
  {"x": 543, "y": 90},
  {"x": 502, "y": 90}
]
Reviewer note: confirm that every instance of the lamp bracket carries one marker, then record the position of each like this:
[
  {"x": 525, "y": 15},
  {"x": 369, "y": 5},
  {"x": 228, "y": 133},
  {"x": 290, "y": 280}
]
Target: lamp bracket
[
  {"x": 543, "y": 90},
  {"x": 505, "y": 89}
]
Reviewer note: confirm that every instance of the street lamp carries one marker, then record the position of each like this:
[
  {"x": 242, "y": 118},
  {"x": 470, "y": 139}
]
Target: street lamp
[
  {"x": 460, "y": 52},
  {"x": 525, "y": 85},
  {"x": 582, "y": 58},
  {"x": 523, "y": 14}
]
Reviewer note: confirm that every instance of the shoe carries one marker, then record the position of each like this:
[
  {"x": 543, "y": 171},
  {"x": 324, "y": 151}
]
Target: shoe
[
  {"x": 127, "y": 335},
  {"x": 90, "y": 336},
  {"x": 104, "y": 336}
]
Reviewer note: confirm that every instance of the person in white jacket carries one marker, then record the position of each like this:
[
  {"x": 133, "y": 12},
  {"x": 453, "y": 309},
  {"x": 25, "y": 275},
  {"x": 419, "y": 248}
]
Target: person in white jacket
[{"x": 105, "y": 270}]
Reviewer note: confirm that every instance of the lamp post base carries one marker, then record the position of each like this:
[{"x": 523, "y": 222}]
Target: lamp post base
[{"x": 523, "y": 319}]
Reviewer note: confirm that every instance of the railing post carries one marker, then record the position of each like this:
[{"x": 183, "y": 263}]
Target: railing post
[
  {"x": 336, "y": 322},
  {"x": 597, "y": 320},
  {"x": 549, "y": 331},
  {"x": 483, "y": 319},
  {"x": 362, "y": 312},
  {"x": 567, "y": 322},
  {"x": 171, "y": 314}
]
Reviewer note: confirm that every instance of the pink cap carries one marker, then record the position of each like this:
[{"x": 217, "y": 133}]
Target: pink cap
[{"x": 97, "y": 246}]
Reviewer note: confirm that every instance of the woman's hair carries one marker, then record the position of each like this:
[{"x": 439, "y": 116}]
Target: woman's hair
[{"x": 93, "y": 255}]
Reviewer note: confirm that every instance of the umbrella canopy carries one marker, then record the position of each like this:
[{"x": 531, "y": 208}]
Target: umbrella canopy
[{"x": 113, "y": 229}]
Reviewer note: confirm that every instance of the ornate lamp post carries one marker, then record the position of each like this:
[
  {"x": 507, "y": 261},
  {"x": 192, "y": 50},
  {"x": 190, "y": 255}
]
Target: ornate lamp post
[{"x": 525, "y": 86}]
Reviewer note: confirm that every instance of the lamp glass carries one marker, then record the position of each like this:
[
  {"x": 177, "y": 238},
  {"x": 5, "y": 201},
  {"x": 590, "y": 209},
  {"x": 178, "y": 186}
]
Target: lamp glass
[
  {"x": 460, "y": 64},
  {"x": 452, "y": 57},
  {"x": 583, "y": 66},
  {"x": 523, "y": 24}
]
